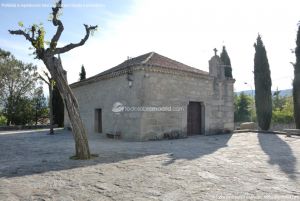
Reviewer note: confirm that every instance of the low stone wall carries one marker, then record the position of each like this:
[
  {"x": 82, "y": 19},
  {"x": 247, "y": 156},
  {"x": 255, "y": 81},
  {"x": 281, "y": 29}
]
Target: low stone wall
[
  {"x": 274, "y": 126},
  {"x": 22, "y": 127},
  {"x": 279, "y": 127},
  {"x": 237, "y": 125}
]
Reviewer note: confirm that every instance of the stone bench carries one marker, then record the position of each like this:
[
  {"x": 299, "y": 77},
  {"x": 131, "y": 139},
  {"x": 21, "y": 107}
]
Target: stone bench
[
  {"x": 247, "y": 126},
  {"x": 114, "y": 135}
]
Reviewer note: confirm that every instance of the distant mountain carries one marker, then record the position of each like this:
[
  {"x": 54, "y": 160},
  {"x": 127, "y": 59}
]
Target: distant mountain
[{"x": 285, "y": 92}]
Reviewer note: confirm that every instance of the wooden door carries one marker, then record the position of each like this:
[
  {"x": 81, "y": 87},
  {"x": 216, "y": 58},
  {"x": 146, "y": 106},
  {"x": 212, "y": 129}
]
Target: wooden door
[
  {"x": 98, "y": 120},
  {"x": 194, "y": 118}
]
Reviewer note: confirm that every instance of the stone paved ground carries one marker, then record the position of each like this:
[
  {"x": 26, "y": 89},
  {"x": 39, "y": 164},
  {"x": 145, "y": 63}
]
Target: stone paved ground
[{"x": 246, "y": 166}]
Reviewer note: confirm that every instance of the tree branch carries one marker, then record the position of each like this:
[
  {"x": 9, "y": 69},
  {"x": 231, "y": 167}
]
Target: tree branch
[
  {"x": 37, "y": 43},
  {"x": 48, "y": 82},
  {"x": 58, "y": 23},
  {"x": 82, "y": 42},
  {"x": 21, "y": 32},
  {"x": 40, "y": 77},
  {"x": 47, "y": 75}
]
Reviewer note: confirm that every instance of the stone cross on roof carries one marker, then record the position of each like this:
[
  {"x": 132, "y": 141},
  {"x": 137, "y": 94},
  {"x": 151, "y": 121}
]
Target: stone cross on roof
[{"x": 215, "y": 50}]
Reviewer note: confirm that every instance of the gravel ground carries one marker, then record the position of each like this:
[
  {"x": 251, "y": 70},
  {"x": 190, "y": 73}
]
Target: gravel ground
[{"x": 244, "y": 166}]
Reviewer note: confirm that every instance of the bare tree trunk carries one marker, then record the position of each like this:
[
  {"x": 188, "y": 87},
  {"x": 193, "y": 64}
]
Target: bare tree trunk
[
  {"x": 79, "y": 132},
  {"x": 36, "y": 114},
  {"x": 51, "y": 107},
  {"x": 8, "y": 121},
  {"x": 36, "y": 36},
  {"x": 49, "y": 82},
  {"x": 9, "y": 115}
]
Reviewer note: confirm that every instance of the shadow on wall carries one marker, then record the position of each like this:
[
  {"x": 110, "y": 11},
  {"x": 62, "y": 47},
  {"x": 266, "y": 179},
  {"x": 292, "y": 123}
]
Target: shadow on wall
[
  {"x": 279, "y": 153},
  {"x": 35, "y": 153}
]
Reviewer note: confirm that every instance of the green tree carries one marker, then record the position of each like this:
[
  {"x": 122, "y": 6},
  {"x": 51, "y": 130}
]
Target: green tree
[
  {"x": 296, "y": 82},
  {"x": 278, "y": 101},
  {"x": 263, "y": 83},
  {"x": 2, "y": 120},
  {"x": 24, "y": 111},
  {"x": 242, "y": 112},
  {"x": 49, "y": 54},
  {"x": 17, "y": 84},
  {"x": 284, "y": 113},
  {"x": 82, "y": 74},
  {"x": 4, "y": 54},
  {"x": 50, "y": 83},
  {"x": 40, "y": 104},
  {"x": 226, "y": 61}
]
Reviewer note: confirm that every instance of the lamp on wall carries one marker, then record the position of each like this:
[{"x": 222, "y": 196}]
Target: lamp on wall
[
  {"x": 130, "y": 83},
  {"x": 130, "y": 78}
]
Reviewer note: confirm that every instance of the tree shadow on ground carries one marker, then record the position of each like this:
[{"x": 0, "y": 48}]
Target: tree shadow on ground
[
  {"x": 35, "y": 153},
  {"x": 207, "y": 145},
  {"x": 279, "y": 153}
]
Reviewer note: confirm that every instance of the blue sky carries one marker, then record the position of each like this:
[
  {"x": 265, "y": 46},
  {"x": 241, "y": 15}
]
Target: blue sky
[
  {"x": 186, "y": 31},
  {"x": 96, "y": 13}
]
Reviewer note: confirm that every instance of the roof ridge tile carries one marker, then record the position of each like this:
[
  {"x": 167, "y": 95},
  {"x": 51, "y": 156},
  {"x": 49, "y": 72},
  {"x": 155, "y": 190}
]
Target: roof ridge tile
[{"x": 148, "y": 58}]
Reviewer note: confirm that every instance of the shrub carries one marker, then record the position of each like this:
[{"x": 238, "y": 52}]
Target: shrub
[
  {"x": 2, "y": 120},
  {"x": 282, "y": 117}
]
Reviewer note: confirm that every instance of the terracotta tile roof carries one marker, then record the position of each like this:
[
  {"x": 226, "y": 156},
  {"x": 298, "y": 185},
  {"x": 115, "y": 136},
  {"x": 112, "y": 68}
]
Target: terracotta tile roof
[
  {"x": 146, "y": 60},
  {"x": 154, "y": 59}
]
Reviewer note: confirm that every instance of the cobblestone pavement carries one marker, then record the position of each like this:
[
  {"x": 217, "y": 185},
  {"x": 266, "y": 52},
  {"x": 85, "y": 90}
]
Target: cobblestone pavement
[{"x": 245, "y": 166}]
